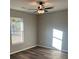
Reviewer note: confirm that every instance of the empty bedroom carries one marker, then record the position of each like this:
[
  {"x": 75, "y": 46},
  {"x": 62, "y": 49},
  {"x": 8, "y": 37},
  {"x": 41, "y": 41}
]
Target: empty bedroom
[{"x": 38, "y": 29}]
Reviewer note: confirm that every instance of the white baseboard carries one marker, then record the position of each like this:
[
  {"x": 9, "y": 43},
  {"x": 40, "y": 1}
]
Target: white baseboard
[
  {"x": 44, "y": 46},
  {"x": 52, "y": 48},
  {"x": 32, "y": 47},
  {"x": 22, "y": 49}
]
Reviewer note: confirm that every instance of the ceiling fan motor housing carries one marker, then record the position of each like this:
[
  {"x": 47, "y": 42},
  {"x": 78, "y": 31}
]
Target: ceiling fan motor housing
[
  {"x": 41, "y": 2},
  {"x": 41, "y": 7}
]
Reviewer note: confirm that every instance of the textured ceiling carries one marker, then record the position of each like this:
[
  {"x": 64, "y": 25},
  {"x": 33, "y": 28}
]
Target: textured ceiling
[{"x": 25, "y": 5}]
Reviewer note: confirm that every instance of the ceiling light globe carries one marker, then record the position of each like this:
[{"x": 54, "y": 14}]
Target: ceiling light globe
[{"x": 40, "y": 11}]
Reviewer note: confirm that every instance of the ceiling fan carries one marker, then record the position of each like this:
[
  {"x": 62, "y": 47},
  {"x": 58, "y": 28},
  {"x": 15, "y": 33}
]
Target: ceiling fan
[{"x": 41, "y": 8}]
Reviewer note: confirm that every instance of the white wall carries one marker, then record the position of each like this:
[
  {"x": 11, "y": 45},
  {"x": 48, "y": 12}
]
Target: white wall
[
  {"x": 47, "y": 22},
  {"x": 30, "y": 27}
]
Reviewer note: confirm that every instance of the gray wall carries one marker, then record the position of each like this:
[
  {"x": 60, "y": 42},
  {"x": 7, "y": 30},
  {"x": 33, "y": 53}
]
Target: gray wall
[
  {"x": 47, "y": 22},
  {"x": 30, "y": 28},
  {"x": 38, "y": 29}
]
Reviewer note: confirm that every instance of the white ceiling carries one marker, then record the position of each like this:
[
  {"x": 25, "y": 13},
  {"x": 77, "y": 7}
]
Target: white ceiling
[{"x": 24, "y": 5}]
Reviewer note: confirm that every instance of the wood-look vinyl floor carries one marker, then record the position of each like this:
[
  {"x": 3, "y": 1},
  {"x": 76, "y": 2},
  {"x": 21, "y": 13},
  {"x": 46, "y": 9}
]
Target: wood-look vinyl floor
[{"x": 39, "y": 53}]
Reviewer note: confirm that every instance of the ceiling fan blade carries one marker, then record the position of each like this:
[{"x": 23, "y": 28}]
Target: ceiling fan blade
[
  {"x": 45, "y": 10},
  {"x": 49, "y": 7},
  {"x": 35, "y": 12}
]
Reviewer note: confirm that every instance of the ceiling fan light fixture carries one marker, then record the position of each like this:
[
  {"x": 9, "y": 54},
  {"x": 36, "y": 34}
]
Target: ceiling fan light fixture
[{"x": 40, "y": 11}]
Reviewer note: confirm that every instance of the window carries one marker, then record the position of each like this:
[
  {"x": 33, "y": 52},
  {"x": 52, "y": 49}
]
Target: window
[
  {"x": 57, "y": 39},
  {"x": 16, "y": 30}
]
